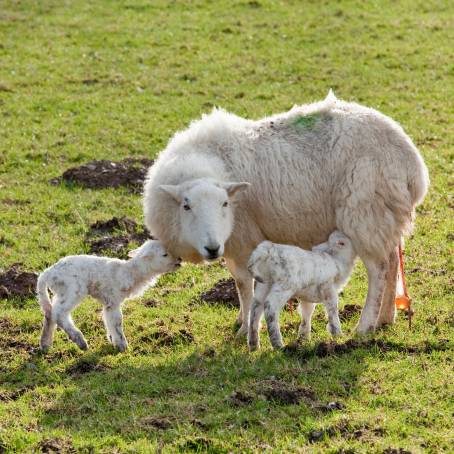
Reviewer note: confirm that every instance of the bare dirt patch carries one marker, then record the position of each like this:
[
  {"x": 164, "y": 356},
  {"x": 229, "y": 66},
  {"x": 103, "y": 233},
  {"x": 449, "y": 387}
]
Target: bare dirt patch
[
  {"x": 15, "y": 282},
  {"x": 13, "y": 394},
  {"x": 84, "y": 366},
  {"x": 285, "y": 393},
  {"x": 224, "y": 292},
  {"x": 349, "y": 311},
  {"x": 56, "y": 445},
  {"x": 240, "y": 398},
  {"x": 165, "y": 336},
  {"x": 129, "y": 172},
  {"x": 114, "y": 236},
  {"x": 156, "y": 422}
]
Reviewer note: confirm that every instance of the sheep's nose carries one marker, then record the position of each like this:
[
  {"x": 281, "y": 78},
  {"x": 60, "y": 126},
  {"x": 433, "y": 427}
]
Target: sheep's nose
[{"x": 213, "y": 251}]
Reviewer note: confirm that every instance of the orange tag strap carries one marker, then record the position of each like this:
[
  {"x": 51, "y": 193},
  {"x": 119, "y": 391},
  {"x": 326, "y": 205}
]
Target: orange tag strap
[
  {"x": 290, "y": 306},
  {"x": 403, "y": 302}
]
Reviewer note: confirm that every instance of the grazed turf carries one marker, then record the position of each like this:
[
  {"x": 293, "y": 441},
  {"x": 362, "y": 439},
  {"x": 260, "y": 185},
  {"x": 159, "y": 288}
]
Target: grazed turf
[{"x": 110, "y": 80}]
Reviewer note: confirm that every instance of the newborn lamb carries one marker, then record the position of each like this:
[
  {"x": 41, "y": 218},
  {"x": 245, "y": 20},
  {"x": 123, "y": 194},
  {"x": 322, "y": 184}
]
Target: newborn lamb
[
  {"x": 109, "y": 280},
  {"x": 283, "y": 272}
]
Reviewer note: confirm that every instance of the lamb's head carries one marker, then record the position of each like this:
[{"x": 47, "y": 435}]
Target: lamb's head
[
  {"x": 205, "y": 214},
  {"x": 155, "y": 257},
  {"x": 258, "y": 264},
  {"x": 340, "y": 246}
]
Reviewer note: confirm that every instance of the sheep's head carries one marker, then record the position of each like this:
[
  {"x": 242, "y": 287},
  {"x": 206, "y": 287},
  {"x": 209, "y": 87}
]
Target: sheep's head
[{"x": 205, "y": 214}]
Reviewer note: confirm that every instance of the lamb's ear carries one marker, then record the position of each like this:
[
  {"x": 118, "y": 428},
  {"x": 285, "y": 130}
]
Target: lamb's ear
[
  {"x": 172, "y": 190},
  {"x": 133, "y": 253},
  {"x": 233, "y": 188}
]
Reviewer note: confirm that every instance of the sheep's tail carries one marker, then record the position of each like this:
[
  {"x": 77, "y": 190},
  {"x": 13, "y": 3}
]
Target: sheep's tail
[{"x": 43, "y": 294}]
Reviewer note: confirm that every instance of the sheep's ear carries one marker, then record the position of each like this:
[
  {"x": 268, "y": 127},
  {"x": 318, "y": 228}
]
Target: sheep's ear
[
  {"x": 172, "y": 190},
  {"x": 233, "y": 188}
]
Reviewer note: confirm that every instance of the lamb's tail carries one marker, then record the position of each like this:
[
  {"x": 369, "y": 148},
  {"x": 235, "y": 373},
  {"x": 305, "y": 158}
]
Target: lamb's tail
[{"x": 43, "y": 294}]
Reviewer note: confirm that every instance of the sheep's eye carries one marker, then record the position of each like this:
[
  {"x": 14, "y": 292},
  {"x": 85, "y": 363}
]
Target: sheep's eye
[
  {"x": 225, "y": 204},
  {"x": 165, "y": 255},
  {"x": 186, "y": 207}
]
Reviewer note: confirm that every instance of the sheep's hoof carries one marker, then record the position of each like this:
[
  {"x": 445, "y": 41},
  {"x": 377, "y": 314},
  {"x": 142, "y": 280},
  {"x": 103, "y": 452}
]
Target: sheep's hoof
[
  {"x": 253, "y": 347},
  {"x": 364, "y": 331},
  {"x": 44, "y": 348}
]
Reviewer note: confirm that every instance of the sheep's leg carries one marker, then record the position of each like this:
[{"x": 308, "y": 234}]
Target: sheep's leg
[
  {"x": 47, "y": 334},
  {"x": 62, "y": 310},
  {"x": 387, "y": 313},
  {"x": 275, "y": 301},
  {"x": 306, "y": 310},
  {"x": 331, "y": 307},
  {"x": 255, "y": 316},
  {"x": 376, "y": 272},
  {"x": 245, "y": 287},
  {"x": 113, "y": 321}
]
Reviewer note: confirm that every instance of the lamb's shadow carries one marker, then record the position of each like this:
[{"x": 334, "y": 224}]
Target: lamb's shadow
[{"x": 199, "y": 392}]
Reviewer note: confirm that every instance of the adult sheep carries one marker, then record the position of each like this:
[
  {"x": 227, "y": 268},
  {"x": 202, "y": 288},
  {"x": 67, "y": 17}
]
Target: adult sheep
[{"x": 319, "y": 167}]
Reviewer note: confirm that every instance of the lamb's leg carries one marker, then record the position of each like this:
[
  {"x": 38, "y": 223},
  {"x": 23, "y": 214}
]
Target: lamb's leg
[
  {"x": 387, "y": 313},
  {"x": 306, "y": 310},
  {"x": 62, "y": 310},
  {"x": 47, "y": 334},
  {"x": 275, "y": 301},
  {"x": 331, "y": 307},
  {"x": 376, "y": 272},
  {"x": 255, "y": 317},
  {"x": 113, "y": 321}
]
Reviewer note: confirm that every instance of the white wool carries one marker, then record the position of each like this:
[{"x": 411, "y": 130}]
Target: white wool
[
  {"x": 109, "y": 280},
  {"x": 319, "y": 167},
  {"x": 284, "y": 272}
]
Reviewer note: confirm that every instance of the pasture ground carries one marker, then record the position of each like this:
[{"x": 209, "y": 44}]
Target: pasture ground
[{"x": 109, "y": 80}]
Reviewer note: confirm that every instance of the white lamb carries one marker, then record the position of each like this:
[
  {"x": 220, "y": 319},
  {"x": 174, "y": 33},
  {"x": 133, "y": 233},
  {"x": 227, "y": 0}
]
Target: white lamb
[
  {"x": 109, "y": 280},
  {"x": 283, "y": 272}
]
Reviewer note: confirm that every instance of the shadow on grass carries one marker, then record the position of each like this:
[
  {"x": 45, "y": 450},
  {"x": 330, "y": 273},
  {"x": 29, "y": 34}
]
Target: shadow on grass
[{"x": 210, "y": 392}]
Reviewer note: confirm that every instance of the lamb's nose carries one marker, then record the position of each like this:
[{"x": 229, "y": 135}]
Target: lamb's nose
[{"x": 213, "y": 251}]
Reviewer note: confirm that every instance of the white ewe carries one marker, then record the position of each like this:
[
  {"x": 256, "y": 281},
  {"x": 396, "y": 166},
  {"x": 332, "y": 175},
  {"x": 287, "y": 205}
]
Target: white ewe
[
  {"x": 283, "y": 272},
  {"x": 319, "y": 167},
  {"x": 109, "y": 280}
]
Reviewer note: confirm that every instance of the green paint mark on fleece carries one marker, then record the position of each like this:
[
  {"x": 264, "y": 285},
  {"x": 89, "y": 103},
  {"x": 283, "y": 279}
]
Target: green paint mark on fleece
[{"x": 306, "y": 121}]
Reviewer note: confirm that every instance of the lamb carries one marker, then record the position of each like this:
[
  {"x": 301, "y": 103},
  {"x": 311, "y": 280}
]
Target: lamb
[
  {"x": 109, "y": 280},
  {"x": 283, "y": 272},
  {"x": 317, "y": 168}
]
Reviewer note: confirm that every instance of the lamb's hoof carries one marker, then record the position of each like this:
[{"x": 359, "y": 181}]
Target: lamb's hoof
[
  {"x": 242, "y": 332},
  {"x": 122, "y": 346},
  {"x": 334, "y": 331},
  {"x": 278, "y": 346},
  {"x": 44, "y": 348},
  {"x": 83, "y": 346}
]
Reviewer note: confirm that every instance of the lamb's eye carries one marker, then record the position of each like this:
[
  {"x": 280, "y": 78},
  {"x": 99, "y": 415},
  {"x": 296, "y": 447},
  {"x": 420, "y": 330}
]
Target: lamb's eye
[
  {"x": 225, "y": 204},
  {"x": 186, "y": 207},
  {"x": 165, "y": 255}
]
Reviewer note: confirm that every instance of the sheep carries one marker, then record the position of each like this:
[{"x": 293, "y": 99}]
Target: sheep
[
  {"x": 319, "y": 167},
  {"x": 283, "y": 272},
  {"x": 109, "y": 280}
]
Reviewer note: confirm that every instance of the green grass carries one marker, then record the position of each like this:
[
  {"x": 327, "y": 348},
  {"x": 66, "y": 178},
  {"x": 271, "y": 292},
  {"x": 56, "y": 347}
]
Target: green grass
[{"x": 110, "y": 79}]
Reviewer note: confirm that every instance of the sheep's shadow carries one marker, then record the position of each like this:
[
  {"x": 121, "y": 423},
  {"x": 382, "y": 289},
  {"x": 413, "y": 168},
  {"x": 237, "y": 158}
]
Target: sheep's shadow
[{"x": 209, "y": 389}]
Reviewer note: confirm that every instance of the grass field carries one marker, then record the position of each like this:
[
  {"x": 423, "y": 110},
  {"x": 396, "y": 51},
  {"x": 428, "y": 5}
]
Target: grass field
[{"x": 114, "y": 79}]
